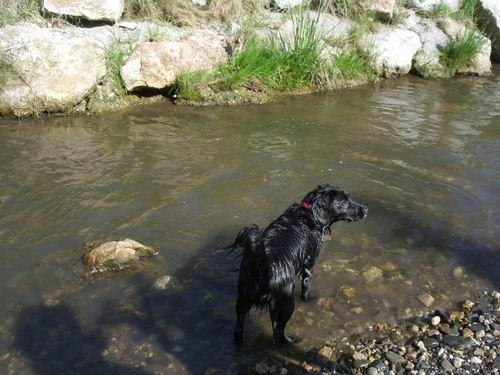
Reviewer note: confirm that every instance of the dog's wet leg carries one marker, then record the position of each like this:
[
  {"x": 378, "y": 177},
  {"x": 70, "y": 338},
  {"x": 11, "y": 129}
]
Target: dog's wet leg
[
  {"x": 284, "y": 309},
  {"x": 306, "y": 284},
  {"x": 242, "y": 308}
]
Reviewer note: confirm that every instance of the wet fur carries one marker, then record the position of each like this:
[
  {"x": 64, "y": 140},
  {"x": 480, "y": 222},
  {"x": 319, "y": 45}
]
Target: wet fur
[{"x": 289, "y": 246}]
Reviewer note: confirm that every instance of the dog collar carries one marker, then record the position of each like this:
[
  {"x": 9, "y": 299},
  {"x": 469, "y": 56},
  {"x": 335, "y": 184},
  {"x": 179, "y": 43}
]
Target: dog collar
[{"x": 305, "y": 205}]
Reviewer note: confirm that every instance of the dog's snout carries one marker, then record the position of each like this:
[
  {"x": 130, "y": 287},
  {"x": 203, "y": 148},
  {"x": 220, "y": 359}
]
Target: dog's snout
[{"x": 364, "y": 211}]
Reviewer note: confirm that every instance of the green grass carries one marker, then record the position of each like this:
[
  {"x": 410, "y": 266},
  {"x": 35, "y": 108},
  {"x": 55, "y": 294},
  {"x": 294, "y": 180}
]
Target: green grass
[
  {"x": 460, "y": 51},
  {"x": 281, "y": 63},
  {"x": 155, "y": 34},
  {"x": 354, "y": 64},
  {"x": 12, "y": 11},
  {"x": 465, "y": 13},
  {"x": 115, "y": 55}
]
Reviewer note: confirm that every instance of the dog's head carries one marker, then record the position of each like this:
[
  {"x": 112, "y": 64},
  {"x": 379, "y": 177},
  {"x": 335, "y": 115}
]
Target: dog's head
[{"x": 329, "y": 204}]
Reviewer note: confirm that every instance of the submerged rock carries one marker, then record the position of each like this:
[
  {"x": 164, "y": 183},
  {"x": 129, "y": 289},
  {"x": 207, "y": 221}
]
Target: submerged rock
[
  {"x": 52, "y": 69},
  {"x": 372, "y": 273},
  {"x": 426, "y": 299},
  {"x": 93, "y": 10},
  {"x": 116, "y": 255},
  {"x": 429, "y": 4},
  {"x": 157, "y": 64},
  {"x": 489, "y": 20}
]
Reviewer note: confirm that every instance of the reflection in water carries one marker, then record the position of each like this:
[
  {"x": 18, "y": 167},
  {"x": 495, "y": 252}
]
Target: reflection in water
[{"x": 423, "y": 155}]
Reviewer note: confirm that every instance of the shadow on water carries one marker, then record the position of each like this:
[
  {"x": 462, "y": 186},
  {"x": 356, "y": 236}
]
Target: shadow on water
[{"x": 189, "y": 329}]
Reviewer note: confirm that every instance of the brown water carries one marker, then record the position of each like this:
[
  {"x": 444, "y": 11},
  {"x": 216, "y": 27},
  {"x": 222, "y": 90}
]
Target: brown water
[{"x": 423, "y": 155}]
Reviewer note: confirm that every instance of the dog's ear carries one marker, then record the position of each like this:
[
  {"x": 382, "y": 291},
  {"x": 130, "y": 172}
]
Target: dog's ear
[{"x": 318, "y": 201}]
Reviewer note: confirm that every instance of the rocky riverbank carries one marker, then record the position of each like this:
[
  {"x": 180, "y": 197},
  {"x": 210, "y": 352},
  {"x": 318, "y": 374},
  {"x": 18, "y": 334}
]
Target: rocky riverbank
[
  {"x": 462, "y": 341},
  {"x": 83, "y": 57}
]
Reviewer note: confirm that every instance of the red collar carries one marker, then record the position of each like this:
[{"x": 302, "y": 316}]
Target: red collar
[{"x": 305, "y": 205}]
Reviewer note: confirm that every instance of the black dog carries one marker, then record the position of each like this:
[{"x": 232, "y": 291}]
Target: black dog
[{"x": 289, "y": 246}]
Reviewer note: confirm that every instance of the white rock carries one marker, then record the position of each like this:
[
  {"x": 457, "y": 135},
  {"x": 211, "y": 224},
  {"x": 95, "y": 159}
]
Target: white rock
[
  {"x": 287, "y": 4},
  {"x": 427, "y": 59},
  {"x": 53, "y": 69},
  {"x": 489, "y": 11},
  {"x": 201, "y": 3},
  {"x": 157, "y": 64},
  {"x": 383, "y": 9},
  {"x": 429, "y": 4},
  {"x": 393, "y": 49},
  {"x": 93, "y": 10}
]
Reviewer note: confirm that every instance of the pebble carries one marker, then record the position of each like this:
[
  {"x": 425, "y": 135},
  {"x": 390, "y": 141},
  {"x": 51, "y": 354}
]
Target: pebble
[
  {"x": 452, "y": 331},
  {"x": 372, "y": 371},
  {"x": 447, "y": 365},
  {"x": 426, "y": 299},
  {"x": 480, "y": 334},
  {"x": 467, "y": 333},
  {"x": 394, "y": 357},
  {"x": 458, "y": 362},
  {"x": 436, "y": 320},
  {"x": 326, "y": 352},
  {"x": 430, "y": 343},
  {"x": 358, "y": 356},
  {"x": 476, "y": 361},
  {"x": 372, "y": 273},
  {"x": 457, "y": 342},
  {"x": 458, "y": 272}
]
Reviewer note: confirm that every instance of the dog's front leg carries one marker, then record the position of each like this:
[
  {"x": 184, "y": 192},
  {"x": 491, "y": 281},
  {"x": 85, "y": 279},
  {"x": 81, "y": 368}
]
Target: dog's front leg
[{"x": 306, "y": 283}]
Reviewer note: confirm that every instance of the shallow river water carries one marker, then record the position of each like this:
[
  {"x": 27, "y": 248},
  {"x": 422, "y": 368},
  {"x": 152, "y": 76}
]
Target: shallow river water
[{"x": 424, "y": 156}]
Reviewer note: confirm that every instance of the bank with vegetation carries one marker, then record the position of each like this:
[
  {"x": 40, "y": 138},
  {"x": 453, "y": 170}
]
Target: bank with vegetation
[{"x": 93, "y": 56}]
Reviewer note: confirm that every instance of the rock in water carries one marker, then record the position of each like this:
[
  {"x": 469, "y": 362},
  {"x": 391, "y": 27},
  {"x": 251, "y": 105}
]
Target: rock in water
[
  {"x": 426, "y": 299},
  {"x": 372, "y": 274},
  {"x": 116, "y": 255},
  {"x": 93, "y": 10}
]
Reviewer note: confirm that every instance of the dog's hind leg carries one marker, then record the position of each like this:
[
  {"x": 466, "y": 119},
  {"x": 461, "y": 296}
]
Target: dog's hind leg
[
  {"x": 284, "y": 306},
  {"x": 242, "y": 308},
  {"x": 306, "y": 284}
]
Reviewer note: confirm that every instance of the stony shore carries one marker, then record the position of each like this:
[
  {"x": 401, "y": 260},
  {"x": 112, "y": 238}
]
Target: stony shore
[
  {"x": 51, "y": 66},
  {"x": 461, "y": 341}
]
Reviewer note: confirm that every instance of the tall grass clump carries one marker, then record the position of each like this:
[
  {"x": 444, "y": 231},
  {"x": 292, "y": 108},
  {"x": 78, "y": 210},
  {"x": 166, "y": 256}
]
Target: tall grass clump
[
  {"x": 468, "y": 9},
  {"x": 465, "y": 13},
  {"x": 441, "y": 10},
  {"x": 12, "y": 11},
  {"x": 354, "y": 64},
  {"x": 460, "y": 51},
  {"x": 115, "y": 54}
]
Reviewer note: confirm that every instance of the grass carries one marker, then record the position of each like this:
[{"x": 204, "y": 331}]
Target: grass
[
  {"x": 460, "y": 51},
  {"x": 465, "y": 13},
  {"x": 12, "y": 11},
  {"x": 116, "y": 53},
  {"x": 155, "y": 34},
  {"x": 281, "y": 63}
]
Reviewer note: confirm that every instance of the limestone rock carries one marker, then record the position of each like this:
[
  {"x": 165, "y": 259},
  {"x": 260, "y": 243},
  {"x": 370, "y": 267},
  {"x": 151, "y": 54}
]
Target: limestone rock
[
  {"x": 426, "y": 299},
  {"x": 115, "y": 255},
  {"x": 427, "y": 59},
  {"x": 489, "y": 20},
  {"x": 53, "y": 69},
  {"x": 200, "y": 3},
  {"x": 372, "y": 274},
  {"x": 93, "y": 10},
  {"x": 429, "y": 4},
  {"x": 393, "y": 49},
  {"x": 383, "y": 9},
  {"x": 157, "y": 64},
  {"x": 287, "y": 4}
]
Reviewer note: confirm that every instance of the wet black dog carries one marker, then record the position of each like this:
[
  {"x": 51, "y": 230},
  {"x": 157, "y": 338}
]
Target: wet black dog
[{"x": 288, "y": 247}]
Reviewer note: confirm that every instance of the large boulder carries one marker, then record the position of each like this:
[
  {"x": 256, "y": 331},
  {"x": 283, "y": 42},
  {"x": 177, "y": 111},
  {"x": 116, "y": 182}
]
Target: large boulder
[
  {"x": 51, "y": 69},
  {"x": 426, "y": 5},
  {"x": 156, "y": 64},
  {"x": 116, "y": 255},
  {"x": 93, "y": 10},
  {"x": 393, "y": 50},
  {"x": 489, "y": 20},
  {"x": 426, "y": 61}
]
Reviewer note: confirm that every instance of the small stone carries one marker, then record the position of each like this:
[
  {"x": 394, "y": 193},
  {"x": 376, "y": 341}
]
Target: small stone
[
  {"x": 480, "y": 334},
  {"x": 261, "y": 368},
  {"x": 325, "y": 352},
  {"x": 394, "y": 357},
  {"x": 430, "y": 343},
  {"x": 347, "y": 291},
  {"x": 458, "y": 342},
  {"x": 357, "y": 310},
  {"x": 378, "y": 364},
  {"x": 326, "y": 303},
  {"x": 426, "y": 299},
  {"x": 372, "y": 273},
  {"x": 360, "y": 363},
  {"x": 452, "y": 331},
  {"x": 476, "y": 360},
  {"x": 476, "y": 327},
  {"x": 479, "y": 352},
  {"x": 456, "y": 315},
  {"x": 165, "y": 282},
  {"x": 436, "y": 320},
  {"x": 467, "y": 333},
  {"x": 447, "y": 365},
  {"x": 467, "y": 305},
  {"x": 388, "y": 266},
  {"x": 372, "y": 371},
  {"x": 358, "y": 356},
  {"x": 457, "y": 363},
  {"x": 458, "y": 272}
]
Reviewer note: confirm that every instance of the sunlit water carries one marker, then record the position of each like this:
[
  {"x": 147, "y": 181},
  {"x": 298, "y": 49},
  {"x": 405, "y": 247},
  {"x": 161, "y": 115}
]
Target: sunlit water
[{"x": 424, "y": 156}]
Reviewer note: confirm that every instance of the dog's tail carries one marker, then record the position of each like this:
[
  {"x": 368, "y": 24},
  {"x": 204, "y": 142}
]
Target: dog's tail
[{"x": 248, "y": 238}]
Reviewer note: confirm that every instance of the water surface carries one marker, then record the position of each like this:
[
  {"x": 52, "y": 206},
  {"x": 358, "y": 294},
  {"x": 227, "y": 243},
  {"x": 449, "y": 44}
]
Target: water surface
[{"x": 423, "y": 155}]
